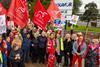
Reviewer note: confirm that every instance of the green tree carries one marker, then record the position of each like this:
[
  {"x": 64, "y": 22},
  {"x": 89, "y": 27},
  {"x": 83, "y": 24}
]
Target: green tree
[
  {"x": 90, "y": 14},
  {"x": 6, "y": 3},
  {"x": 76, "y": 5}
]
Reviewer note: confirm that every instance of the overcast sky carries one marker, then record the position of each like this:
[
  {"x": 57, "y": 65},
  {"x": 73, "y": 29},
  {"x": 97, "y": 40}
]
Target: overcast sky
[{"x": 88, "y": 1}]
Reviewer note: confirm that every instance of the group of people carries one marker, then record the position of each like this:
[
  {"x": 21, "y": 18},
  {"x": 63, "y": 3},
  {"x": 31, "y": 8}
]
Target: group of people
[{"x": 55, "y": 48}]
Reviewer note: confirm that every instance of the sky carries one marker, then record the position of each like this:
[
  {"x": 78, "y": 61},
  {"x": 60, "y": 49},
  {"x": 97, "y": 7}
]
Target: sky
[{"x": 88, "y": 1}]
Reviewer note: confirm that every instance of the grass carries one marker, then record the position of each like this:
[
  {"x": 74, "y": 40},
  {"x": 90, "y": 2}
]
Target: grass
[{"x": 83, "y": 29}]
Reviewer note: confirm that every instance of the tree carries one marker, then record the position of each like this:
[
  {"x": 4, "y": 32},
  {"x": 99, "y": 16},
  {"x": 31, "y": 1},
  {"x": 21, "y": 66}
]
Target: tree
[
  {"x": 90, "y": 14},
  {"x": 76, "y": 5},
  {"x": 6, "y": 3}
]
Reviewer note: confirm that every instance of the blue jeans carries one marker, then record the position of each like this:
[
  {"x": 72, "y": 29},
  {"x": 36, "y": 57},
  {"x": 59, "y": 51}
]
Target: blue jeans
[
  {"x": 4, "y": 60},
  {"x": 1, "y": 65},
  {"x": 26, "y": 55}
]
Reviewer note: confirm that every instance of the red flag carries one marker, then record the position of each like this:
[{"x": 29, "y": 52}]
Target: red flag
[
  {"x": 18, "y": 12},
  {"x": 2, "y": 9},
  {"x": 54, "y": 11},
  {"x": 41, "y": 16}
]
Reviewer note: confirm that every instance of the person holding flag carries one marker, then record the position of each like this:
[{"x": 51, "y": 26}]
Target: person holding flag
[{"x": 51, "y": 50}]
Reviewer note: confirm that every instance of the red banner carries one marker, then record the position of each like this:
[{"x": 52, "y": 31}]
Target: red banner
[
  {"x": 18, "y": 12},
  {"x": 41, "y": 16},
  {"x": 54, "y": 11}
]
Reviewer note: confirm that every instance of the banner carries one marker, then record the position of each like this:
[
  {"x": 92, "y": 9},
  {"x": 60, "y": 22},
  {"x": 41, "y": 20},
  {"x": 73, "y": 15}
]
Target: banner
[
  {"x": 54, "y": 11},
  {"x": 2, "y": 24},
  {"x": 41, "y": 16},
  {"x": 66, "y": 7},
  {"x": 74, "y": 19},
  {"x": 18, "y": 12}
]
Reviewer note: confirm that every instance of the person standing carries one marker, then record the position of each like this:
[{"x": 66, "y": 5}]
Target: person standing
[
  {"x": 79, "y": 47},
  {"x": 3, "y": 48},
  {"x": 92, "y": 58},
  {"x": 26, "y": 47},
  {"x": 1, "y": 59},
  {"x": 9, "y": 50},
  {"x": 68, "y": 49},
  {"x": 51, "y": 50},
  {"x": 17, "y": 40},
  {"x": 34, "y": 49},
  {"x": 16, "y": 56},
  {"x": 58, "y": 56},
  {"x": 42, "y": 41}
]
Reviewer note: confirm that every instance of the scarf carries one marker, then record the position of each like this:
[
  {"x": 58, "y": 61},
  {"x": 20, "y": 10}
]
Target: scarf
[
  {"x": 80, "y": 45},
  {"x": 51, "y": 46}
]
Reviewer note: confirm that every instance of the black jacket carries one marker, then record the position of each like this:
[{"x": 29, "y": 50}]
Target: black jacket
[
  {"x": 13, "y": 55},
  {"x": 42, "y": 41},
  {"x": 68, "y": 46}
]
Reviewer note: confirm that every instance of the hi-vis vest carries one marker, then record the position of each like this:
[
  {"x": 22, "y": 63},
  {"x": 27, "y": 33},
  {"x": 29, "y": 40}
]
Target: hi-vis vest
[
  {"x": 1, "y": 58},
  {"x": 61, "y": 44}
]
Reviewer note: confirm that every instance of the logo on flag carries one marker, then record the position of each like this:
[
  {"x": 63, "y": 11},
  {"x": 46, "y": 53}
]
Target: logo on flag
[
  {"x": 18, "y": 12},
  {"x": 41, "y": 16}
]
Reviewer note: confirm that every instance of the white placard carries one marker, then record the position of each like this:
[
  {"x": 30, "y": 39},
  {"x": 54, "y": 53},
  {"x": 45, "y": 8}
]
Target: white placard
[
  {"x": 66, "y": 7},
  {"x": 74, "y": 19},
  {"x": 2, "y": 24}
]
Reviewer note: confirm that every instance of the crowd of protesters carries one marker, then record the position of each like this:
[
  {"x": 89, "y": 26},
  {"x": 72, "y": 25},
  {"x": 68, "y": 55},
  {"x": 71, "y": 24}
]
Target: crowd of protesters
[{"x": 56, "y": 49}]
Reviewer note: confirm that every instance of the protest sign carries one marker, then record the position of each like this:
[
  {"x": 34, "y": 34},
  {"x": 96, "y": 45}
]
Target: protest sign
[
  {"x": 74, "y": 19},
  {"x": 2, "y": 24},
  {"x": 65, "y": 7}
]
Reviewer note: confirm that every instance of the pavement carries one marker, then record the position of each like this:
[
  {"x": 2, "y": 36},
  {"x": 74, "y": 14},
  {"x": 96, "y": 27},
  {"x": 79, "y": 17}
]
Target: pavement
[
  {"x": 30, "y": 64},
  {"x": 35, "y": 65}
]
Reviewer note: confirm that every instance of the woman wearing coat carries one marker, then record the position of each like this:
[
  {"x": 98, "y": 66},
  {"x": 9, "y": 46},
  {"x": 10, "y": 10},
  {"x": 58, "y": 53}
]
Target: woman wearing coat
[
  {"x": 79, "y": 47},
  {"x": 92, "y": 58}
]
